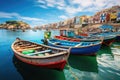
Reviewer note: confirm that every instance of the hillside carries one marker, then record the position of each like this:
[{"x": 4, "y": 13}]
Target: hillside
[{"x": 14, "y": 25}]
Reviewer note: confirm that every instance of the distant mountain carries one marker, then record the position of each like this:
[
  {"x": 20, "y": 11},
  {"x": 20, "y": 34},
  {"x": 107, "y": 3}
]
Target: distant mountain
[{"x": 14, "y": 25}]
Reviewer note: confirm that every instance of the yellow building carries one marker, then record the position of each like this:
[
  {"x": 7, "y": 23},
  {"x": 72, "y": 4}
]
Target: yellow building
[
  {"x": 84, "y": 19},
  {"x": 113, "y": 16}
]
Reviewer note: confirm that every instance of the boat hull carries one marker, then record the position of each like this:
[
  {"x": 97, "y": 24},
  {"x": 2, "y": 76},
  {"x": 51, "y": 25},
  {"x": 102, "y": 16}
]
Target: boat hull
[
  {"x": 117, "y": 38},
  {"x": 108, "y": 42},
  {"x": 54, "y": 63},
  {"x": 92, "y": 50}
]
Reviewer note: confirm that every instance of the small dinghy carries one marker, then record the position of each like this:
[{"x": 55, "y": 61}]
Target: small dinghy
[{"x": 39, "y": 54}]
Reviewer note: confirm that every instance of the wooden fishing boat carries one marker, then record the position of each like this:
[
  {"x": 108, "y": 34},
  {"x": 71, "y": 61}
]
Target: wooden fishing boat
[
  {"x": 117, "y": 36},
  {"x": 75, "y": 36},
  {"x": 82, "y": 48},
  {"x": 67, "y": 38},
  {"x": 109, "y": 38},
  {"x": 39, "y": 54},
  {"x": 77, "y": 39},
  {"x": 117, "y": 33}
]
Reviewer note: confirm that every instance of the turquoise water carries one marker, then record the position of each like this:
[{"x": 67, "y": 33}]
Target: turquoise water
[{"x": 104, "y": 66}]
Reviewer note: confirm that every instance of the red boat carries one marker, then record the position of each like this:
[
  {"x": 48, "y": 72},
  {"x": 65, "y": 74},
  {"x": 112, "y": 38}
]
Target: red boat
[
  {"x": 69, "y": 34},
  {"x": 108, "y": 40},
  {"x": 87, "y": 39},
  {"x": 66, "y": 38},
  {"x": 83, "y": 34},
  {"x": 39, "y": 54}
]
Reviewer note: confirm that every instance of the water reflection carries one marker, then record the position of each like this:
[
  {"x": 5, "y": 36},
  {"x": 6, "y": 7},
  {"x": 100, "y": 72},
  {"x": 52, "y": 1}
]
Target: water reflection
[
  {"x": 80, "y": 66},
  {"x": 116, "y": 49},
  {"x": 105, "y": 56},
  {"x": 107, "y": 64},
  {"x": 104, "y": 50},
  {"x": 29, "y": 72},
  {"x": 116, "y": 52},
  {"x": 83, "y": 63}
]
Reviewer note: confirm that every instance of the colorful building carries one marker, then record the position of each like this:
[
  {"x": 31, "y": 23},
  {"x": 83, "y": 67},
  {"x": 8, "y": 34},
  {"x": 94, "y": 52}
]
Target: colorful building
[
  {"x": 90, "y": 20},
  {"x": 107, "y": 17},
  {"x": 84, "y": 19},
  {"x": 118, "y": 16},
  {"x": 113, "y": 16}
]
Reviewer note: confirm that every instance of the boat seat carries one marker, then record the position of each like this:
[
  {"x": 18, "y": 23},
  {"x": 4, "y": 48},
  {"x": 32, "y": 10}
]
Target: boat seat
[
  {"x": 29, "y": 44},
  {"x": 29, "y": 48},
  {"x": 17, "y": 47},
  {"x": 41, "y": 52},
  {"x": 47, "y": 54}
]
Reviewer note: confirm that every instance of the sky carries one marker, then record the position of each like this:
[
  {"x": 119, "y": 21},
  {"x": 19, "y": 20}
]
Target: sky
[{"x": 40, "y": 12}]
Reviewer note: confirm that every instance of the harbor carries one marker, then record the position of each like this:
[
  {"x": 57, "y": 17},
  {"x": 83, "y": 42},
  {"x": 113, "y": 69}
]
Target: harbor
[
  {"x": 105, "y": 65},
  {"x": 59, "y": 40}
]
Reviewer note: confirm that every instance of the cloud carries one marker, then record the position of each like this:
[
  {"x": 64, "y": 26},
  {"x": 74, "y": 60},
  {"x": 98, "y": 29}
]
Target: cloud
[
  {"x": 73, "y": 7},
  {"x": 82, "y": 3},
  {"x": 42, "y": 6},
  {"x": 29, "y": 19},
  {"x": 94, "y": 5},
  {"x": 8, "y": 15},
  {"x": 16, "y": 15},
  {"x": 51, "y": 3},
  {"x": 63, "y": 17},
  {"x": 32, "y": 21},
  {"x": 41, "y": 1}
]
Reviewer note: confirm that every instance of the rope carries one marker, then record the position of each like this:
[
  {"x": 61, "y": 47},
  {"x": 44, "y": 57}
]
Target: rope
[{"x": 70, "y": 70}]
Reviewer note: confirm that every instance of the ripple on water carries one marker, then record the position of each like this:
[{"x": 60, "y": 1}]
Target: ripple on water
[{"x": 104, "y": 66}]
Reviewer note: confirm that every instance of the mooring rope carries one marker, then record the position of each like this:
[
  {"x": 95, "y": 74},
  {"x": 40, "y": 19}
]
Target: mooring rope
[{"x": 70, "y": 70}]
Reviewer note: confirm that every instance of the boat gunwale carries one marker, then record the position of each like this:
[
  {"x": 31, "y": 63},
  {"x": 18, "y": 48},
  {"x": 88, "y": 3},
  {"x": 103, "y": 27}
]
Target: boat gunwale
[{"x": 109, "y": 37}]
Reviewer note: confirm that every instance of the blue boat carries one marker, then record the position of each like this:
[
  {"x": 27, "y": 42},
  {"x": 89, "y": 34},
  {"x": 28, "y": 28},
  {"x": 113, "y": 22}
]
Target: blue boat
[
  {"x": 106, "y": 27},
  {"x": 117, "y": 35},
  {"x": 118, "y": 38},
  {"x": 109, "y": 37},
  {"x": 82, "y": 48},
  {"x": 118, "y": 17}
]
